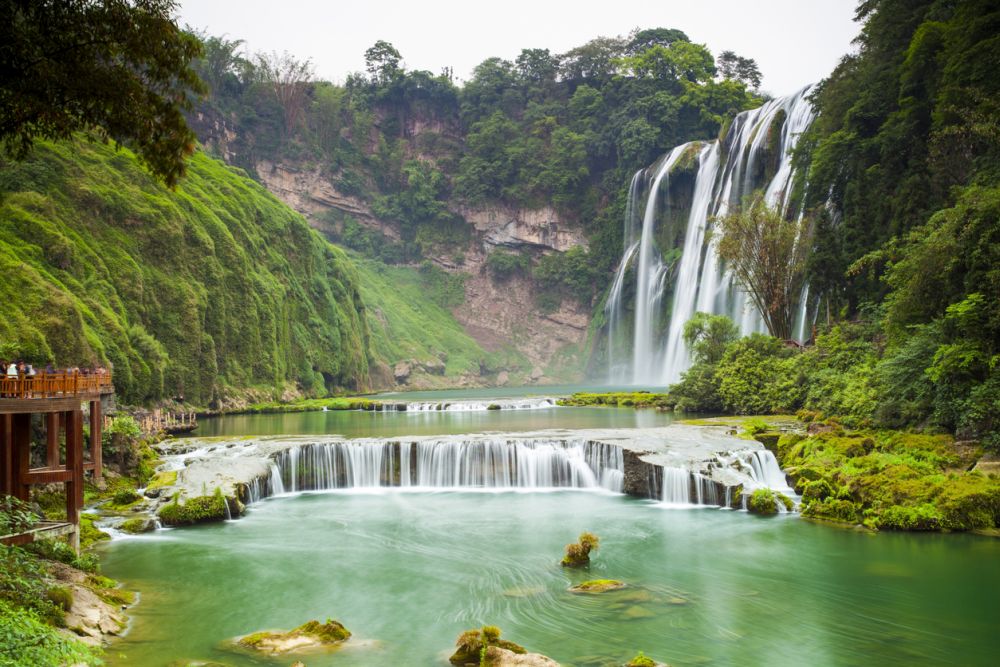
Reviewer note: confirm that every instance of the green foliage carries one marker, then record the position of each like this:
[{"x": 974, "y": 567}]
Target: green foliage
[
  {"x": 408, "y": 316},
  {"x": 15, "y": 516},
  {"x": 502, "y": 265},
  {"x": 571, "y": 273},
  {"x": 120, "y": 69},
  {"x": 23, "y": 585},
  {"x": 637, "y": 399},
  {"x": 707, "y": 336},
  {"x": 767, "y": 253},
  {"x": 189, "y": 294},
  {"x": 59, "y": 550},
  {"x": 890, "y": 480},
  {"x": 904, "y": 155},
  {"x": 25, "y": 639},
  {"x": 763, "y": 501}
]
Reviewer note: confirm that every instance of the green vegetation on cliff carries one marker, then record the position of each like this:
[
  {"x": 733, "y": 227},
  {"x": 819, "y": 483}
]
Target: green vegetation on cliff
[
  {"x": 214, "y": 288},
  {"x": 542, "y": 130}
]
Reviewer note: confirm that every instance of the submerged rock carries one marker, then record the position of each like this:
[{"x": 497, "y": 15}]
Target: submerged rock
[
  {"x": 308, "y": 636},
  {"x": 598, "y": 586}
]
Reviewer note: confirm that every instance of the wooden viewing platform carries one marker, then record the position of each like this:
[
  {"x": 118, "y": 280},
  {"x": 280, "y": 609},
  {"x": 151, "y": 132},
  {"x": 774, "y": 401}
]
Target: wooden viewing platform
[{"x": 59, "y": 398}]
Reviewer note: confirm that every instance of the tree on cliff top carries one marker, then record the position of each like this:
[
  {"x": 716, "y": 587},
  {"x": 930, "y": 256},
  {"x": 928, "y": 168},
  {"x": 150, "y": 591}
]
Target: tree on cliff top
[{"x": 121, "y": 69}]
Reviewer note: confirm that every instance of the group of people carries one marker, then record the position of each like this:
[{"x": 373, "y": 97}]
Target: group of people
[{"x": 22, "y": 369}]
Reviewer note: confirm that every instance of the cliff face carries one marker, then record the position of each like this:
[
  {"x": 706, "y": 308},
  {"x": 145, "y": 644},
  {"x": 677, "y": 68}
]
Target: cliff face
[{"x": 496, "y": 314}]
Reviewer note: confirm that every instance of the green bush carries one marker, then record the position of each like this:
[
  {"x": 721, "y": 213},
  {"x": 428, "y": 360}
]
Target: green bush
[
  {"x": 25, "y": 639},
  {"x": 195, "y": 510},
  {"x": 15, "y": 516},
  {"x": 502, "y": 265}
]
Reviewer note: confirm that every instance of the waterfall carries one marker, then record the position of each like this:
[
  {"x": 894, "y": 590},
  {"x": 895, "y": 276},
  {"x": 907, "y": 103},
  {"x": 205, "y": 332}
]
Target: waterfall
[
  {"x": 493, "y": 464},
  {"x": 534, "y": 403},
  {"x": 684, "y": 487},
  {"x": 754, "y": 154},
  {"x": 765, "y": 471}
]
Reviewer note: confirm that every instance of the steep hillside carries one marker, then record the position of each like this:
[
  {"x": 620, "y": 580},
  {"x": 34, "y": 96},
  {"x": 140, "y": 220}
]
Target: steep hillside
[{"x": 199, "y": 294}]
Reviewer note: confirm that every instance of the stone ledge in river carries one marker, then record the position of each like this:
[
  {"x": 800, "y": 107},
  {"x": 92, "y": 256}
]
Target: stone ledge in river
[{"x": 308, "y": 636}]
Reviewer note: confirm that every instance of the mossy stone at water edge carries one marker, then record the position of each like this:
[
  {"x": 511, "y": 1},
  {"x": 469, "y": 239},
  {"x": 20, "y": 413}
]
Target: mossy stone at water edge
[
  {"x": 310, "y": 635},
  {"x": 200, "y": 509},
  {"x": 765, "y": 501},
  {"x": 138, "y": 525}
]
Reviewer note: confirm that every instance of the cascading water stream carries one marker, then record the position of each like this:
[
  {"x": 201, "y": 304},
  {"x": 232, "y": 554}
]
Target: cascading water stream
[
  {"x": 756, "y": 153},
  {"x": 493, "y": 464}
]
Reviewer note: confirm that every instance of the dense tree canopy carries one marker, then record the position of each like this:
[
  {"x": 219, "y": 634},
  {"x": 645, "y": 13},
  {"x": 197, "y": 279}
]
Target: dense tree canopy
[
  {"x": 120, "y": 68},
  {"x": 566, "y": 130}
]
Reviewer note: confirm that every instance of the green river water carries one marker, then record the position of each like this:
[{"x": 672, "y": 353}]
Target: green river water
[{"x": 407, "y": 572}]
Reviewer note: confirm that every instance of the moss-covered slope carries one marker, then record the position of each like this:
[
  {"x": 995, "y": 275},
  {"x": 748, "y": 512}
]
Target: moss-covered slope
[{"x": 195, "y": 293}]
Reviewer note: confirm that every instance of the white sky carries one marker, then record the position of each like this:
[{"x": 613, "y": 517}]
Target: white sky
[{"x": 795, "y": 42}]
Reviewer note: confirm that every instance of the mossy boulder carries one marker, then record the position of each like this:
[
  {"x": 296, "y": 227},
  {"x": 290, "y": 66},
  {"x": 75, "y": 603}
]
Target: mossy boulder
[
  {"x": 578, "y": 553},
  {"x": 200, "y": 509},
  {"x": 159, "y": 482},
  {"x": 137, "y": 525},
  {"x": 641, "y": 660},
  {"x": 769, "y": 439},
  {"x": 308, "y": 636},
  {"x": 763, "y": 501},
  {"x": 597, "y": 586},
  {"x": 470, "y": 644}
]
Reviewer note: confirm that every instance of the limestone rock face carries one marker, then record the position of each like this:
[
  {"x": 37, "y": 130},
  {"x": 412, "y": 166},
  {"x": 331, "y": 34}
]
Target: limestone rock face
[
  {"x": 540, "y": 228},
  {"x": 402, "y": 371},
  {"x": 503, "y": 378}
]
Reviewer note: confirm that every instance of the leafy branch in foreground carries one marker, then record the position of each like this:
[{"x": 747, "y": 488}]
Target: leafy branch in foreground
[{"x": 120, "y": 69}]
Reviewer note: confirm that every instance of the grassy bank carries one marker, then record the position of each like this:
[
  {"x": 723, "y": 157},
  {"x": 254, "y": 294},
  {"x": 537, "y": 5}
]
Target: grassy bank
[{"x": 635, "y": 399}]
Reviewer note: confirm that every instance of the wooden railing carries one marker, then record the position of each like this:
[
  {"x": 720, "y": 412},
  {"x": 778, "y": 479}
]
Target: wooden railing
[{"x": 55, "y": 385}]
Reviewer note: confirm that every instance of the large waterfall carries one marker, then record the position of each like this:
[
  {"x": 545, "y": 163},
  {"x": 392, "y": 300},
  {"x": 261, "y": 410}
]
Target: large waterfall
[{"x": 670, "y": 268}]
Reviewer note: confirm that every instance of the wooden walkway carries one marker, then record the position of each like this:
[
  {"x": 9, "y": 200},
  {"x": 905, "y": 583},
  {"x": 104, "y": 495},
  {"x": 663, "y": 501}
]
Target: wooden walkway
[{"x": 59, "y": 399}]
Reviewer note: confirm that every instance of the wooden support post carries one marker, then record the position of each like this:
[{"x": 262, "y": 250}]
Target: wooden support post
[
  {"x": 96, "y": 424},
  {"x": 6, "y": 458},
  {"x": 20, "y": 454},
  {"x": 52, "y": 439},
  {"x": 74, "y": 462}
]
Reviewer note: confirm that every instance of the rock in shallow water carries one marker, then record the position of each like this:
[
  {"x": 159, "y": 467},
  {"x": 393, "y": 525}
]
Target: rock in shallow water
[{"x": 308, "y": 636}]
